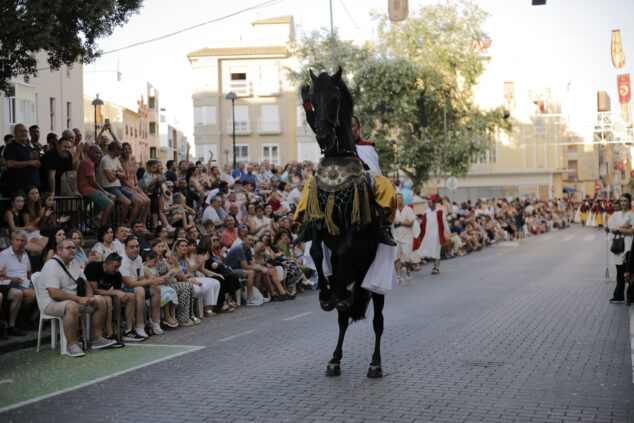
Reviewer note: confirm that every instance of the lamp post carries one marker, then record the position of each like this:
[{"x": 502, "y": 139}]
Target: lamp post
[
  {"x": 96, "y": 102},
  {"x": 393, "y": 143},
  {"x": 226, "y": 151},
  {"x": 232, "y": 96}
]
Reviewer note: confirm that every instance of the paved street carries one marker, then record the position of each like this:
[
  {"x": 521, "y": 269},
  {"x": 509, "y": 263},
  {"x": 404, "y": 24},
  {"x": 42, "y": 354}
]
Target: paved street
[{"x": 519, "y": 332}]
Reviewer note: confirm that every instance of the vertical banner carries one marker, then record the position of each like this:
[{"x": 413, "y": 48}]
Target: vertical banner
[
  {"x": 509, "y": 96},
  {"x": 618, "y": 57},
  {"x": 397, "y": 10},
  {"x": 625, "y": 95}
]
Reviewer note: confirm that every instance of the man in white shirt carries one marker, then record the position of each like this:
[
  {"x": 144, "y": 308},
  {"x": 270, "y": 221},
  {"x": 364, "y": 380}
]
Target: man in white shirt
[
  {"x": 58, "y": 297},
  {"x": 135, "y": 282},
  {"x": 121, "y": 233},
  {"x": 404, "y": 236},
  {"x": 17, "y": 268},
  {"x": 210, "y": 212},
  {"x": 295, "y": 194}
]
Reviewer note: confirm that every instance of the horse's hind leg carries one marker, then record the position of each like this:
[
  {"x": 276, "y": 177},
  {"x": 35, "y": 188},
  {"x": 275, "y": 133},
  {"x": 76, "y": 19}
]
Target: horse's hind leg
[
  {"x": 334, "y": 368},
  {"x": 375, "y": 370}
]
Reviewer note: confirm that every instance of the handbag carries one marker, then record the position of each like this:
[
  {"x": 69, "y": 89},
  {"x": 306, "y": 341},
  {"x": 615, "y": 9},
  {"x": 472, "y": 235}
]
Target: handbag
[
  {"x": 80, "y": 282},
  {"x": 618, "y": 244}
]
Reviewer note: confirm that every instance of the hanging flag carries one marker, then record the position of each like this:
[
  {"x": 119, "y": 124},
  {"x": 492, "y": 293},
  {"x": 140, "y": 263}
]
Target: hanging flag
[
  {"x": 509, "y": 95},
  {"x": 618, "y": 57},
  {"x": 540, "y": 104},
  {"x": 397, "y": 10},
  {"x": 625, "y": 95},
  {"x": 480, "y": 46}
]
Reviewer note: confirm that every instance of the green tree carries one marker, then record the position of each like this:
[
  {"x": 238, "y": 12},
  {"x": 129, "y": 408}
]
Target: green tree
[{"x": 66, "y": 30}]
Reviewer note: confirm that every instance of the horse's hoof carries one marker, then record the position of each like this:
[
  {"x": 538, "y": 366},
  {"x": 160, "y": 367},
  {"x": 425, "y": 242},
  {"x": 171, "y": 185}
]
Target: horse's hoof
[
  {"x": 333, "y": 370},
  {"x": 327, "y": 301},
  {"x": 327, "y": 305},
  {"x": 375, "y": 371},
  {"x": 345, "y": 303}
]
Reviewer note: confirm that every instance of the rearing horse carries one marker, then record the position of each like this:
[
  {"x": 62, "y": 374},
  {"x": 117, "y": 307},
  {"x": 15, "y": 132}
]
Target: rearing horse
[{"x": 341, "y": 213}]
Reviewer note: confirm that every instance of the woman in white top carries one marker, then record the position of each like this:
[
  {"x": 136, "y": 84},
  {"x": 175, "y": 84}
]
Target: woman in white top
[{"x": 620, "y": 225}]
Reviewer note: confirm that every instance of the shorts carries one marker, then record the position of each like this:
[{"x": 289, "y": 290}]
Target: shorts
[
  {"x": 404, "y": 251},
  {"x": 145, "y": 288},
  {"x": 100, "y": 199},
  {"x": 240, "y": 273},
  {"x": 58, "y": 308},
  {"x": 119, "y": 192},
  {"x": 21, "y": 287}
]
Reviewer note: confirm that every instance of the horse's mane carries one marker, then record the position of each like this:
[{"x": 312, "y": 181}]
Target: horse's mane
[{"x": 346, "y": 96}]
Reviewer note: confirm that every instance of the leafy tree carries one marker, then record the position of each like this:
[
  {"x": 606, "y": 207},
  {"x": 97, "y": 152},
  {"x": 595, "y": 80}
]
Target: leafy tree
[{"x": 67, "y": 30}]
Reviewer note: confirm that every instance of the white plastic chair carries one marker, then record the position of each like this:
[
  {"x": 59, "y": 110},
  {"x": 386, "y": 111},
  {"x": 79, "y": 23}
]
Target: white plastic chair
[{"x": 55, "y": 321}]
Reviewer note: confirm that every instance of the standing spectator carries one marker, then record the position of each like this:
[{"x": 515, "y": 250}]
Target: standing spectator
[
  {"x": 90, "y": 188},
  {"x": 51, "y": 141},
  {"x": 433, "y": 228},
  {"x": 404, "y": 237},
  {"x": 239, "y": 174},
  {"x": 620, "y": 225},
  {"x": 130, "y": 167},
  {"x": 56, "y": 162},
  {"x": 250, "y": 177},
  {"x": 22, "y": 161},
  {"x": 34, "y": 133},
  {"x": 136, "y": 282},
  {"x": 170, "y": 173},
  {"x": 58, "y": 297},
  {"x": 110, "y": 175}
]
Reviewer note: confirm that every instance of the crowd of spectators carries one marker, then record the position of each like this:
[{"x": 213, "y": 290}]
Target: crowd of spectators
[{"x": 175, "y": 242}]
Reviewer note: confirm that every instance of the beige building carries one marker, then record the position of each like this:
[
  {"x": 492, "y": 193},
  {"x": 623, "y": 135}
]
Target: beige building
[
  {"x": 265, "y": 108},
  {"x": 52, "y": 100}
]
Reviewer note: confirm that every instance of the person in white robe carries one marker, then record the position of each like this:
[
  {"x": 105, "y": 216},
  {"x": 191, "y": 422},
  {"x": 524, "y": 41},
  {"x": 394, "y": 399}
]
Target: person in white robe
[{"x": 434, "y": 236}]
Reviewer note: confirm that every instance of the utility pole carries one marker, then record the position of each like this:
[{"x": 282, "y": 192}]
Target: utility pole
[{"x": 332, "y": 39}]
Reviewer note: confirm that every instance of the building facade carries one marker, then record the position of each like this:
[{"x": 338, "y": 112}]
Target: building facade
[
  {"x": 264, "y": 111},
  {"x": 52, "y": 100}
]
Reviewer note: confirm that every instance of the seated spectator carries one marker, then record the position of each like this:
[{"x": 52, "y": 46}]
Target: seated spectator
[
  {"x": 268, "y": 260},
  {"x": 139, "y": 231},
  {"x": 295, "y": 271},
  {"x": 258, "y": 224},
  {"x": 89, "y": 187},
  {"x": 136, "y": 281},
  {"x": 104, "y": 279},
  {"x": 162, "y": 233},
  {"x": 230, "y": 234},
  {"x": 193, "y": 233},
  {"x": 58, "y": 297},
  {"x": 182, "y": 215},
  {"x": 152, "y": 186},
  {"x": 49, "y": 220},
  {"x": 78, "y": 239},
  {"x": 121, "y": 234},
  {"x": 105, "y": 246},
  {"x": 240, "y": 260},
  {"x": 229, "y": 282},
  {"x": 169, "y": 299},
  {"x": 131, "y": 183},
  {"x": 211, "y": 213},
  {"x": 209, "y": 226},
  {"x": 16, "y": 274},
  {"x": 56, "y": 236},
  {"x": 23, "y": 162},
  {"x": 14, "y": 218}
]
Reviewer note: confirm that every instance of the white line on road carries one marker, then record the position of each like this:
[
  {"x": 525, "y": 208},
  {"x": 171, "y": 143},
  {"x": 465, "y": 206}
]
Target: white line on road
[
  {"x": 510, "y": 244},
  {"x": 236, "y": 335},
  {"x": 568, "y": 237},
  {"x": 589, "y": 237},
  {"x": 6, "y": 381},
  {"x": 297, "y": 316}
]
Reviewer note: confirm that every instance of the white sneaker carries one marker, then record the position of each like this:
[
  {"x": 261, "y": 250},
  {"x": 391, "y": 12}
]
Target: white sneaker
[
  {"x": 141, "y": 332},
  {"x": 156, "y": 328}
]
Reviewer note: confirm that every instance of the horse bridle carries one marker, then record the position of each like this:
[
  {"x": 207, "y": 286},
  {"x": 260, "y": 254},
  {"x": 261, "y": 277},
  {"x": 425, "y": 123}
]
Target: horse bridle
[{"x": 334, "y": 125}]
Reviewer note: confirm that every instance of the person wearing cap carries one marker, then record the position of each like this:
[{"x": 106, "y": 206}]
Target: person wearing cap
[{"x": 433, "y": 228}]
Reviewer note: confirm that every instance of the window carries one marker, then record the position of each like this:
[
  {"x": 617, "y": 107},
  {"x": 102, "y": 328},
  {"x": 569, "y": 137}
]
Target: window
[
  {"x": 152, "y": 103},
  {"x": 135, "y": 133},
  {"x": 203, "y": 151},
  {"x": 572, "y": 170},
  {"x": 126, "y": 129},
  {"x": 52, "y": 112},
  {"x": 20, "y": 106},
  {"x": 204, "y": 115},
  {"x": 242, "y": 152},
  {"x": 153, "y": 154},
  {"x": 206, "y": 78},
  {"x": 239, "y": 76},
  {"x": 269, "y": 83},
  {"x": 242, "y": 120},
  {"x": 152, "y": 128},
  {"x": 269, "y": 122},
  {"x": 271, "y": 152},
  {"x": 238, "y": 82},
  {"x": 69, "y": 113}
]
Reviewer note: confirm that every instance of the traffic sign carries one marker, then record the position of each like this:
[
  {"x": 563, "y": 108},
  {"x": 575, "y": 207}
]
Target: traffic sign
[
  {"x": 597, "y": 186},
  {"x": 452, "y": 183}
]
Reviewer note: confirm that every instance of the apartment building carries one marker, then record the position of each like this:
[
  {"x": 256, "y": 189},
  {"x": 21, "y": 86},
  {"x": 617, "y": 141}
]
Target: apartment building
[
  {"x": 264, "y": 110},
  {"x": 52, "y": 100}
]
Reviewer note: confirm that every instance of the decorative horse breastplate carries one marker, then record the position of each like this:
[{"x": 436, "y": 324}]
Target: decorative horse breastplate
[{"x": 339, "y": 195}]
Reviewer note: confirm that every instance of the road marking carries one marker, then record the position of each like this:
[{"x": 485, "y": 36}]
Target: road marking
[
  {"x": 94, "y": 381},
  {"x": 510, "y": 244},
  {"x": 6, "y": 381},
  {"x": 297, "y": 316},
  {"x": 568, "y": 237},
  {"x": 589, "y": 237},
  {"x": 236, "y": 335}
]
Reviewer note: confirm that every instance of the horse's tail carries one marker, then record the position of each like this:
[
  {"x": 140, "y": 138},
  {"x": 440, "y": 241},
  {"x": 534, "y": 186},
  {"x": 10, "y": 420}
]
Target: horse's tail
[{"x": 360, "y": 300}]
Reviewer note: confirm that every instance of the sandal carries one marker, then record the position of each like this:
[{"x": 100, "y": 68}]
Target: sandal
[
  {"x": 208, "y": 313},
  {"x": 435, "y": 271},
  {"x": 227, "y": 309}
]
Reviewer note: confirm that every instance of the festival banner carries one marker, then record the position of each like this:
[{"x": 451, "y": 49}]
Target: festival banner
[
  {"x": 509, "y": 95},
  {"x": 625, "y": 95},
  {"x": 618, "y": 57},
  {"x": 480, "y": 46},
  {"x": 397, "y": 10}
]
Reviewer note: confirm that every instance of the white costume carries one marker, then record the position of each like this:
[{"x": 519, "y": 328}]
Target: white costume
[
  {"x": 368, "y": 154},
  {"x": 430, "y": 246},
  {"x": 615, "y": 221}
]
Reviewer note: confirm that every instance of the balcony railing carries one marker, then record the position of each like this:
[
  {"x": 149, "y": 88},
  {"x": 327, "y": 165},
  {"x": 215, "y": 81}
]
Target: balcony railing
[
  {"x": 242, "y": 127},
  {"x": 269, "y": 127},
  {"x": 241, "y": 88}
]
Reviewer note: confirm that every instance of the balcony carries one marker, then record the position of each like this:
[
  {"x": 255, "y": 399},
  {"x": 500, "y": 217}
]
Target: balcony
[
  {"x": 269, "y": 127},
  {"x": 242, "y": 88},
  {"x": 242, "y": 127},
  {"x": 264, "y": 89}
]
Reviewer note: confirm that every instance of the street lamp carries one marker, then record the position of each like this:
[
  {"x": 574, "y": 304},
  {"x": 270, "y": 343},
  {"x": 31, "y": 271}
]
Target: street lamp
[
  {"x": 393, "y": 143},
  {"x": 232, "y": 96},
  {"x": 96, "y": 102},
  {"x": 226, "y": 151}
]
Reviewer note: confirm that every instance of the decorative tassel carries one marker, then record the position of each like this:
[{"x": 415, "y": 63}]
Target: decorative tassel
[
  {"x": 355, "y": 217},
  {"x": 313, "y": 212},
  {"x": 330, "y": 223},
  {"x": 366, "y": 204}
]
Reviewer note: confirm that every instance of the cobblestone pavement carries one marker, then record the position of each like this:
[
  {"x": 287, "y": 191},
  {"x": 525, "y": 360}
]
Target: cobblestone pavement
[{"x": 519, "y": 332}]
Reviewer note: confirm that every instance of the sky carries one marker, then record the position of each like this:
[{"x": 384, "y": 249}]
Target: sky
[{"x": 564, "y": 45}]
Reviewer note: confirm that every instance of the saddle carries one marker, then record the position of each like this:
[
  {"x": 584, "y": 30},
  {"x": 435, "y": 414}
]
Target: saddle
[{"x": 339, "y": 195}]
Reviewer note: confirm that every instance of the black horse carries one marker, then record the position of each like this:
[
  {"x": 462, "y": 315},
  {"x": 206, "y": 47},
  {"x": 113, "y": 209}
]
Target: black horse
[{"x": 342, "y": 215}]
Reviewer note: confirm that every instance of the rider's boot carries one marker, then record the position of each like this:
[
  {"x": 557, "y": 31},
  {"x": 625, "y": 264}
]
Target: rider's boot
[
  {"x": 384, "y": 235},
  {"x": 303, "y": 236}
]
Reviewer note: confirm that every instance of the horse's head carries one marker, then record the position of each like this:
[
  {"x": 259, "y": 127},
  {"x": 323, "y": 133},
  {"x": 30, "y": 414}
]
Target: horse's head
[{"x": 327, "y": 98}]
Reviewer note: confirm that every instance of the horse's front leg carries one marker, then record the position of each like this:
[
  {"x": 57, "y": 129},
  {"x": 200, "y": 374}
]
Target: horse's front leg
[
  {"x": 326, "y": 299},
  {"x": 375, "y": 370},
  {"x": 334, "y": 365}
]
